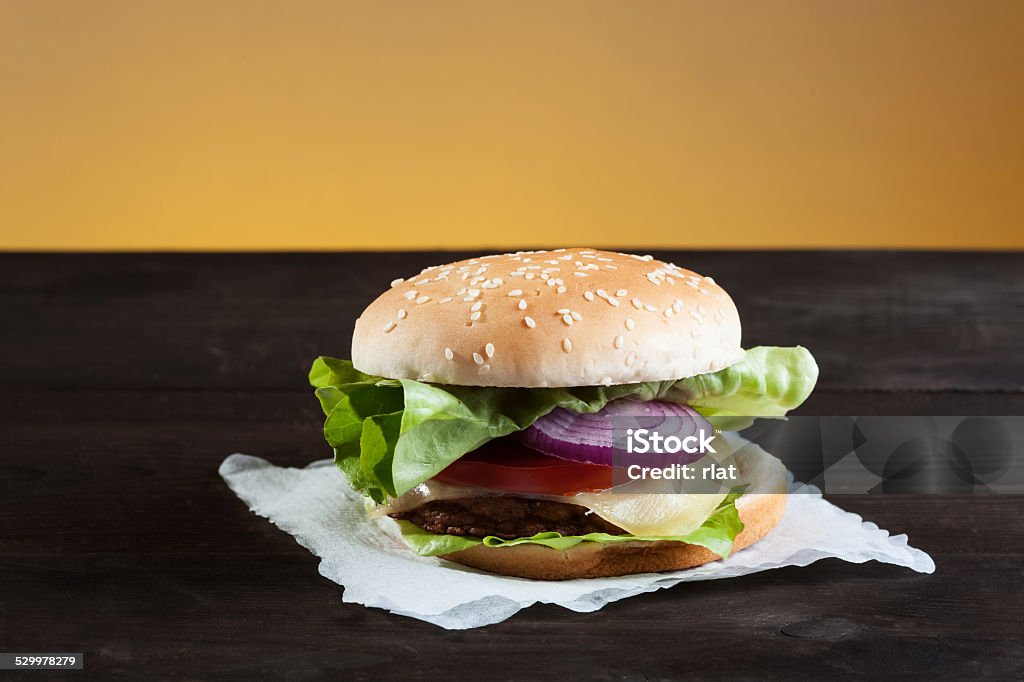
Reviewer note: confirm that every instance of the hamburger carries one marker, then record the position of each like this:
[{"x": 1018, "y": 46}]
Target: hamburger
[{"x": 475, "y": 412}]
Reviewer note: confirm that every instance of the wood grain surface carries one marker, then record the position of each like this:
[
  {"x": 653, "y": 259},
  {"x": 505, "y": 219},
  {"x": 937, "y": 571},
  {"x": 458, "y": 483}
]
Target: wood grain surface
[{"x": 127, "y": 378}]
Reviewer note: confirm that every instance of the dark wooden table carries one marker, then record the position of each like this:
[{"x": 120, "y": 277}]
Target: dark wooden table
[{"x": 127, "y": 378}]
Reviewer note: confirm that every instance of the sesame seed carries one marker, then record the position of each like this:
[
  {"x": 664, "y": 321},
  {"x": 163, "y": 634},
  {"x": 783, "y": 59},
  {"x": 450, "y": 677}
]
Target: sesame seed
[
  {"x": 411, "y": 294},
  {"x": 621, "y": 292},
  {"x": 650, "y": 308},
  {"x": 396, "y": 282},
  {"x": 567, "y": 318},
  {"x": 529, "y": 322},
  {"x": 476, "y": 306},
  {"x": 612, "y": 301},
  {"x": 515, "y": 274},
  {"x": 478, "y": 359},
  {"x": 668, "y": 312},
  {"x": 704, "y": 291},
  {"x": 422, "y": 299},
  {"x": 567, "y": 345},
  {"x": 474, "y": 292},
  {"x": 522, "y": 304},
  {"x": 589, "y": 295},
  {"x": 630, "y": 324},
  {"x": 484, "y": 369},
  {"x": 475, "y": 316},
  {"x": 709, "y": 280},
  {"x": 489, "y": 350},
  {"x": 446, "y": 299},
  {"x": 449, "y": 354},
  {"x": 402, "y": 313},
  {"x": 560, "y": 290},
  {"x": 618, "y": 341},
  {"x": 576, "y": 316},
  {"x": 695, "y": 315},
  {"x": 631, "y": 358},
  {"x": 700, "y": 309},
  {"x": 468, "y": 299},
  {"x": 677, "y": 305},
  {"x": 389, "y": 326},
  {"x": 637, "y": 304},
  {"x": 563, "y": 311},
  {"x": 602, "y": 293},
  {"x": 580, "y": 274},
  {"x": 516, "y": 292}
]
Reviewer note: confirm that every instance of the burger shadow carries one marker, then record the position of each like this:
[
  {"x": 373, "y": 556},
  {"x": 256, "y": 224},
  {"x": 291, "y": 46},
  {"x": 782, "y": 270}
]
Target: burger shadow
[{"x": 769, "y": 599}]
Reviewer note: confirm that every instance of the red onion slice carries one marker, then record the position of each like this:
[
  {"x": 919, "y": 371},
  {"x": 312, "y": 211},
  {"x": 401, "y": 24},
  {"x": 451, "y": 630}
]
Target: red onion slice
[{"x": 589, "y": 438}]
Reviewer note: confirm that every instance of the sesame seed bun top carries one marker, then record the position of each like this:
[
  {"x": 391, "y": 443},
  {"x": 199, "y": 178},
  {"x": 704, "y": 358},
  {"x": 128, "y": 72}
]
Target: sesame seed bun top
[{"x": 568, "y": 317}]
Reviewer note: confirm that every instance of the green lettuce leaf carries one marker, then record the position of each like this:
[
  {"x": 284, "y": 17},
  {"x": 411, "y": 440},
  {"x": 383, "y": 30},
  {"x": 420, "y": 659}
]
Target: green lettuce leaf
[
  {"x": 717, "y": 534},
  {"x": 389, "y": 436},
  {"x": 768, "y": 382}
]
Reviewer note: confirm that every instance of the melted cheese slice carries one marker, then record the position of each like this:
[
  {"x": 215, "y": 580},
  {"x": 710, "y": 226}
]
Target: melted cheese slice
[
  {"x": 652, "y": 514},
  {"x": 638, "y": 509}
]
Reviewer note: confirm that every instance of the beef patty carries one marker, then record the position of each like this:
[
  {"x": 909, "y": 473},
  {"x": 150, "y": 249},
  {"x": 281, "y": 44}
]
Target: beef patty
[{"x": 505, "y": 517}]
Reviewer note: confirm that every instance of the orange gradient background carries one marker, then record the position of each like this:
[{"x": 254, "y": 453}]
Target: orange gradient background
[{"x": 416, "y": 124}]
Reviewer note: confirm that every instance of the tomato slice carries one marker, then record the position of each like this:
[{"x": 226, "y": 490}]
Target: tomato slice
[{"x": 504, "y": 464}]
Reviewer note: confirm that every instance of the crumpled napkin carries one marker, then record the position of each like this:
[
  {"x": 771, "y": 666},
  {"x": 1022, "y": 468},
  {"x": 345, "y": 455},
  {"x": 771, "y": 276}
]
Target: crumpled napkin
[{"x": 368, "y": 557}]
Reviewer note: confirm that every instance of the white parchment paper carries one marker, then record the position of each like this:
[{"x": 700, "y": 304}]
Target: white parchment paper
[{"x": 367, "y": 557}]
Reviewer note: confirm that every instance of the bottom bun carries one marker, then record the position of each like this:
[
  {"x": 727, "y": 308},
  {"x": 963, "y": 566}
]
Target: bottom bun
[{"x": 759, "y": 512}]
